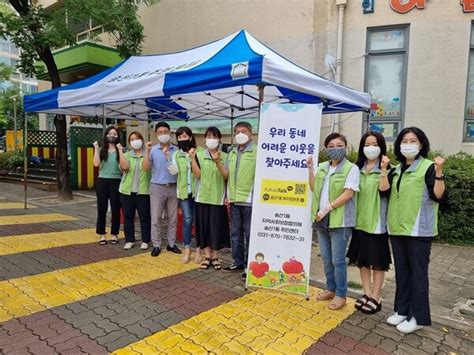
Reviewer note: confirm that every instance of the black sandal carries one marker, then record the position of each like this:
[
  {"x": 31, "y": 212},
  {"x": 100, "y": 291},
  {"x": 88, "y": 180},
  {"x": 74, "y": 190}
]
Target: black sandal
[
  {"x": 114, "y": 239},
  {"x": 371, "y": 307},
  {"x": 102, "y": 240},
  {"x": 361, "y": 302},
  {"x": 206, "y": 263},
  {"x": 216, "y": 264}
]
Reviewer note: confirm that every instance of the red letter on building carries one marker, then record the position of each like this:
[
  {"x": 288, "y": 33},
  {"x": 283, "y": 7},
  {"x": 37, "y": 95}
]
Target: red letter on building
[
  {"x": 403, "y": 6},
  {"x": 467, "y": 5}
]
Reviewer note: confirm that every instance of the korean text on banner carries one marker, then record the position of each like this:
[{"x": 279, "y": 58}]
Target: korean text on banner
[{"x": 280, "y": 237}]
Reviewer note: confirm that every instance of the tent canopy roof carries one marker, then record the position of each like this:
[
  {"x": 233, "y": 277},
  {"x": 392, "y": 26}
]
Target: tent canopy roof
[{"x": 216, "y": 80}]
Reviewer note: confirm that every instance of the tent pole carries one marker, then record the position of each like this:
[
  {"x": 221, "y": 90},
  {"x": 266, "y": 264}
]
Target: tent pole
[
  {"x": 368, "y": 121},
  {"x": 103, "y": 119},
  {"x": 25, "y": 159},
  {"x": 231, "y": 126},
  {"x": 261, "y": 88}
]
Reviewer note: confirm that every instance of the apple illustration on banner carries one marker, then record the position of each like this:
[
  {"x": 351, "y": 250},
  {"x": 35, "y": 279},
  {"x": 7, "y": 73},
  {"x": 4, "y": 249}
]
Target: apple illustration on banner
[
  {"x": 293, "y": 266},
  {"x": 259, "y": 269}
]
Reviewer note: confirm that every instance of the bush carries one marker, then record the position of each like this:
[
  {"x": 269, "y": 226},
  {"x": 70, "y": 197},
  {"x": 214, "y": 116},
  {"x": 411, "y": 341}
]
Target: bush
[
  {"x": 455, "y": 221},
  {"x": 455, "y": 218},
  {"x": 11, "y": 159}
]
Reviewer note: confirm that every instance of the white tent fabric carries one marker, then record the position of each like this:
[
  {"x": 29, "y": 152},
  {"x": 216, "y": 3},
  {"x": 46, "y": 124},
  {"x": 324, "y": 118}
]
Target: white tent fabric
[{"x": 217, "y": 80}]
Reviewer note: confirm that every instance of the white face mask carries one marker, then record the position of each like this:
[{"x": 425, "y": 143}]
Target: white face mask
[
  {"x": 164, "y": 138},
  {"x": 136, "y": 144},
  {"x": 372, "y": 152},
  {"x": 409, "y": 151},
  {"x": 241, "y": 138},
  {"x": 212, "y": 143}
]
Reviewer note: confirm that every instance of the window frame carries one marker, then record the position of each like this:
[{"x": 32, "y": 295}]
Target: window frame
[
  {"x": 468, "y": 118},
  {"x": 382, "y": 52}
]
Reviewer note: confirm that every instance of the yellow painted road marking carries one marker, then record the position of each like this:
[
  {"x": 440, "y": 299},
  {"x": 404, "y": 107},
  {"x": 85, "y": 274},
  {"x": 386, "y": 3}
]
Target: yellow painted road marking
[
  {"x": 40, "y": 241},
  {"x": 259, "y": 322},
  {"x": 31, "y": 294},
  {"x": 13, "y": 205},
  {"x": 35, "y": 218}
]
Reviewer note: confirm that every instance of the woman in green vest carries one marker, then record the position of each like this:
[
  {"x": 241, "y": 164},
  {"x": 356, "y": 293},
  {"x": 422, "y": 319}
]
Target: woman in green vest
[
  {"x": 181, "y": 165},
  {"x": 415, "y": 188},
  {"x": 333, "y": 213},
  {"x": 369, "y": 248},
  {"x": 135, "y": 192},
  {"x": 212, "y": 221},
  {"x": 107, "y": 186}
]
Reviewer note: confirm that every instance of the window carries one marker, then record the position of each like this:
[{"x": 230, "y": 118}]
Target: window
[
  {"x": 385, "y": 78},
  {"x": 469, "y": 111}
]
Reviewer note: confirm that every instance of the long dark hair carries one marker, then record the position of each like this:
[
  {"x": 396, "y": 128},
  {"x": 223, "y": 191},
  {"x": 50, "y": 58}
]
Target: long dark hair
[
  {"x": 188, "y": 132},
  {"x": 425, "y": 143},
  {"x": 104, "y": 152},
  {"x": 361, "y": 158}
]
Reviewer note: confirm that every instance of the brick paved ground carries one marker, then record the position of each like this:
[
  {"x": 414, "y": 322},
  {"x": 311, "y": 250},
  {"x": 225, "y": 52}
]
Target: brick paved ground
[{"x": 67, "y": 295}]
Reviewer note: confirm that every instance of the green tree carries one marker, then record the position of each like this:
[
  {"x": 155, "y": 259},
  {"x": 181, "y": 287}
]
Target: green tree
[
  {"x": 5, "y": 72},
  {"x": 8, "y": 98},
  {"x": 37, "y": 32}
]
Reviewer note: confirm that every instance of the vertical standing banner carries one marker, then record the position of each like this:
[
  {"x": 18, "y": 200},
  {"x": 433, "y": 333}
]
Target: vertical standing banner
[{"x": 281, "y": 235}]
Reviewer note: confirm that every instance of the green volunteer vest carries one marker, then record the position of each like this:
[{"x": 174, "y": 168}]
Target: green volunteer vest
[
  {"x": 241, "y": 189},
  {"x": 411, "y": 212},
  {"x": 183, "y": 162},
  {"x": 210, "y": 187},
  {"x": 371, "y": 207},
  {"x": 127, "y": 178},
  {"x": 341, "y": 216}
]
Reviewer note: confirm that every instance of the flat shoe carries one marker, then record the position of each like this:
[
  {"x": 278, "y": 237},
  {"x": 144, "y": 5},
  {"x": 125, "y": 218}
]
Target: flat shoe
[
  {"x": 361, "y": 302},
  {"x": 102, "y": 240},
  {"x": 371, "y": 307},
  {"x": 325, "y": 295},
  {"x": 337, "y": 303},
  {"x": 205, "y": 264},
  {"x": 114, "y": 239}
]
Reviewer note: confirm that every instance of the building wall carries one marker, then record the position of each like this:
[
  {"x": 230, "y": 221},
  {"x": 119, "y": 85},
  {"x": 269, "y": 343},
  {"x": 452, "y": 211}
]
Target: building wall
[
  {"x": 306, "y": 32},
  {"x": 438, "y": 56}
]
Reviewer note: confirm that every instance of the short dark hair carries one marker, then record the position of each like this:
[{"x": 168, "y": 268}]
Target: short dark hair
[
  {"x": 361, "y": 158},
  {"x": 136, "y": 133},
  {"x": 243, "y": 124},
  {"x": 425, "y": 143},
  {"x": 162, "y": 124},
  {"x": 214, "y": 131},
  {"x": 188, "y": 131},
  {"x": 334, "y": 136}
]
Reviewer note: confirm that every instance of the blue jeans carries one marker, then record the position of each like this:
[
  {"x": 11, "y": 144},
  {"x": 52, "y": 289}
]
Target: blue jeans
[
  {"x": 187, "y": 206},
  {"x": 240, "y": 219},
  {"x": 333, "y": 243}
]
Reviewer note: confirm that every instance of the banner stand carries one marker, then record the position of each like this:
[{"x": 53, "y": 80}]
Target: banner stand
[{"x": 279, "y": 256}]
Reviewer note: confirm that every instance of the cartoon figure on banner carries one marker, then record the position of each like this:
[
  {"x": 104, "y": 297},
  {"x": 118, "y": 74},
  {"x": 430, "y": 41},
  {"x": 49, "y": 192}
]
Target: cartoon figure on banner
[
  {"x": 259, "y": 268},
  {"x": 294, "y": 270}
]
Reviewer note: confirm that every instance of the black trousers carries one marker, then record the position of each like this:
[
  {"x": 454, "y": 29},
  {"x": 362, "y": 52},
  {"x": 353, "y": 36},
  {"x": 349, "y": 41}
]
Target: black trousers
[
  {"x": 130, "y": 204},
  {"x": 412, "y": 258},
  {"x": 107, "y": 189}
]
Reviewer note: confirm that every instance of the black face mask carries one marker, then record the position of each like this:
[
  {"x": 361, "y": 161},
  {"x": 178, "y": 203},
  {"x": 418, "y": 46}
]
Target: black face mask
[
  {"x": 184, "y": 145},
  {"x": 112, "y": 139}
]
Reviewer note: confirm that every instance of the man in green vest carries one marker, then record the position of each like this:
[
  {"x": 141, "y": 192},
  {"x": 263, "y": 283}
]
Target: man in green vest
[{"x": 240, "y": 167}]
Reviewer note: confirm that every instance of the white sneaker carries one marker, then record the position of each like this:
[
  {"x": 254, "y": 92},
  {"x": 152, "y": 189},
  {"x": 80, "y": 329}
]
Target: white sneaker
[
  {"x": 128, "y": 245},
  {"x": 396, "y": 319},
  {"x": 144, "y": 246},
  {"x": 409, "y": 326}
]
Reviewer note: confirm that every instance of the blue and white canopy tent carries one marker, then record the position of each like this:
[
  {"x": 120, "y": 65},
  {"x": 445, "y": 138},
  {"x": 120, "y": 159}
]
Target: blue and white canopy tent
[{"x": 227, "y": 78}]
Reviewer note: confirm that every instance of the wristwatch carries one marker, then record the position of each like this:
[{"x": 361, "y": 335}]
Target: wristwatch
[{"x": 439, "y": 177}]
